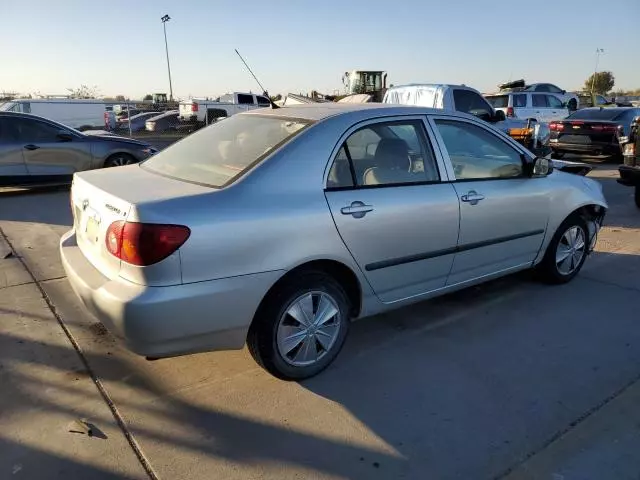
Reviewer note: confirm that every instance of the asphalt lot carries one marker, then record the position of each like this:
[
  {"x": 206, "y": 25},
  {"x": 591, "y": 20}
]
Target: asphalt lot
[{"x": 512, "y": 379}]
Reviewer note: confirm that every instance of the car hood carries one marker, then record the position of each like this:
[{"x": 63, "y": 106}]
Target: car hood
[{"x": 103, "y": 135}]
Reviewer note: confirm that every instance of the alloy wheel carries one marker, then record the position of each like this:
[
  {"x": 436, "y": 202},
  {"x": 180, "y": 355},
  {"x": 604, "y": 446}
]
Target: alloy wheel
[
  {"x": 571, "y": 250},
  {"x": 308, "y": 329}
]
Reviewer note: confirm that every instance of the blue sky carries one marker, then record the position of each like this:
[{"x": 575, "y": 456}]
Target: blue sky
[{"x": 296, "y": 46}]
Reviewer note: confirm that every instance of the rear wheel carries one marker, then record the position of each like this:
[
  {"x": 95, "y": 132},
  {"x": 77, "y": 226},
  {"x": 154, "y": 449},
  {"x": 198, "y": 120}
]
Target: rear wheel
[
  {"x": 119, "y": 160},
  {"x": 301, "y": 327},
  {"x": 566, "y": 252},
  {"x": 637, "y": 195}
]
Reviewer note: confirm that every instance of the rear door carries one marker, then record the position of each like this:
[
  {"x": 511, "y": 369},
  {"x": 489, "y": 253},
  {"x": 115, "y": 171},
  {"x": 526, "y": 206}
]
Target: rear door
[
  {"x": 393, "y": 207},
  {"x": 46, "y": 154},
  {"x": 12, "y": 166},
  {"x": 503, "y": 213},
  {"x": 521, "y": 103},
  {"x": 540, "y": 107}
]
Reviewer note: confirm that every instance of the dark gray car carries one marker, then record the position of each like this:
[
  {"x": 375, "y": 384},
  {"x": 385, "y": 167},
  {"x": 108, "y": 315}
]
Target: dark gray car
[{"x": 35, "y": 150}]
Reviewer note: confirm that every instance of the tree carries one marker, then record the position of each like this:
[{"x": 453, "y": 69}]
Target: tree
[
  {"x": 148, "y": 96},
  {"x": 83, "y": 91},
  {"x": 602, "y": 82},
  {"x": 276, "y": 98}
]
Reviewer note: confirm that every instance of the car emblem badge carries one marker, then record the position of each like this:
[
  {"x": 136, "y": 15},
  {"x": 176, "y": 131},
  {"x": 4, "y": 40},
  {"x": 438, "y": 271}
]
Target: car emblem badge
[{"x": 85, "y": 204}]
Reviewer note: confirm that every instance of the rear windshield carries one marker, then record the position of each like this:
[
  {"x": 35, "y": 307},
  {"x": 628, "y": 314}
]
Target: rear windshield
[
  {"x": 595, "y": 114},
  {"x": 215, "y": 156},
  {"x": 499, "y": 101}
]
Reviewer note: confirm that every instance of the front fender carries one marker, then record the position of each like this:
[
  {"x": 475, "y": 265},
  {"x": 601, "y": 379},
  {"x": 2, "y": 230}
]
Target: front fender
[{"x": 569, "y": 194}]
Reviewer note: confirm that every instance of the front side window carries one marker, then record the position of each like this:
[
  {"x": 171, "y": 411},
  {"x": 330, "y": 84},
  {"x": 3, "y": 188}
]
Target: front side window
[
  {"x": 34, "y": 131},
  {"x": 554, "y": 102},
  {"x": 477, "y": 154},
  {"x": 542, "y": 88},
  {"x": 554, "y": 89},
  {"x": 217, "y": 155},
  {"x": 520, "y": 100},
  {"x": 470, "y": 102},
  {"x": 244, "y": 99},
  {"x": 389, "y": 153},
  {"x": 539, "y": 101}
]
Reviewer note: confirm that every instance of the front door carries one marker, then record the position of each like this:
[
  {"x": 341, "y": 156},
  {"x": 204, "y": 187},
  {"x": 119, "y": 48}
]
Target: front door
[
  {"x": 12, "y": 167},
  {"x": 48, "y": 153},
  {"x": 503, "y": 213},
  {"x": 557, "y": 111},
  {"x": 394, "y": 211}
]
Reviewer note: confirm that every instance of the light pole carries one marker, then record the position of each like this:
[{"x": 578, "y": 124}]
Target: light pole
[
  {"x": 593, "y": 79},
  {"x": 165, "y": 19}
]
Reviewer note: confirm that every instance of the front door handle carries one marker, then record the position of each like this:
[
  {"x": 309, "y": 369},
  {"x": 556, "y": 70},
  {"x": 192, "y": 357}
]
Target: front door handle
[
  {"x": 31, "y": 146},
  {"x": 472, "y": 197},
  {"x": 356, "y": 209}
]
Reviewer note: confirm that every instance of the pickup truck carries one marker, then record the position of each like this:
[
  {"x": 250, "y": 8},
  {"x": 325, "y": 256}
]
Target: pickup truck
[
  {"x": 533, "y": 135},
  {"x": 205, "y": 111}
]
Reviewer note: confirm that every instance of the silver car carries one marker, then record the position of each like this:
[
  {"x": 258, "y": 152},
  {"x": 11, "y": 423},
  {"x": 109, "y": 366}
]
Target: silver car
[
  {"x": 276, "y": 228},
  {"x": 34, "y": 150}
]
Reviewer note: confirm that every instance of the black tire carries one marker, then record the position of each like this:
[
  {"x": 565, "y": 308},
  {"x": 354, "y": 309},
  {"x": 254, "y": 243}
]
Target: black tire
[
  {"x": 637, "y": 195},
  {"x": 572, "y": 105},
  {"x": 547, "y": 270},
  {"x": 119, "y": 160},
  {"x": 262, "y": 338}
]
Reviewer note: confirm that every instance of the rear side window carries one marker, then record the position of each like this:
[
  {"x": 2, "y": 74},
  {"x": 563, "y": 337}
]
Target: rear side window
[
  {"x": 217, "y": 155},
  {"x": 499, "y": 101},
  {"x": 244, "y": 99},
  {"x": 263, "y": 101},
  {"x": 384, "y": 154},
  {"x": 539, "y": 101},
  {"x": 520, "y": 100}
]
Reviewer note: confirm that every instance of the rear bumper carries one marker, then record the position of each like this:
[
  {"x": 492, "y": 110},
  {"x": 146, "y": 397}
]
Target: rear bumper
[
  {"x": 629, "y": 176},
  {"x": 167, "y": 321},
  {"x": 604, "y": 148},
  {"x": 188, "y": 118}
]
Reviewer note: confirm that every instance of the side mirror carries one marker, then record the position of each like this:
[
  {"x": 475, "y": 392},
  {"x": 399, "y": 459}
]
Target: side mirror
[
  {"x": 64, "y": 136},
  {"x": 541, "y": 167},
  {"x": 499, "y": 116},
  {"x": 482, "y": 115},
  {"x": 563, "y": 92}
]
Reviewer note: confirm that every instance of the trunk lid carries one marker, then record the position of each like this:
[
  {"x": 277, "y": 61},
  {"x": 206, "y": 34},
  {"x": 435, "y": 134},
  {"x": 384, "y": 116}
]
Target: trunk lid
[{"x": 101, "y": 197}]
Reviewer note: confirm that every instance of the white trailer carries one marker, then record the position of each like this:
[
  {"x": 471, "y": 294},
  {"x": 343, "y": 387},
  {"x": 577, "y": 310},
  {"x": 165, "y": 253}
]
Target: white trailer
[{"x": 76, "y": 113}]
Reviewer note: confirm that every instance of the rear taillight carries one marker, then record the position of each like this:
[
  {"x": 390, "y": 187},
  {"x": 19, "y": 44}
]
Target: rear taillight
[
  {"x": 556, "y": 126},
  {"x": 144, "y": 243},
  {"x": 510, "y": 112},
  {"x": 194, "y": 107},
  {"x": 604, "y": 128}
]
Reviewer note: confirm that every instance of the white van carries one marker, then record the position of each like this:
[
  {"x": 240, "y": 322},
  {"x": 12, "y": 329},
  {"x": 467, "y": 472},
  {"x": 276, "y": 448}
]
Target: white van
[
  {"x": 75, "y": 113},
  {"x": 544, "y": 107}
]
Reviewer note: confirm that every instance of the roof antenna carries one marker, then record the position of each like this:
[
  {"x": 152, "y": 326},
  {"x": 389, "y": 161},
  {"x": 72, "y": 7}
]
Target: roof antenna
[{"x": 264, "y": 91}]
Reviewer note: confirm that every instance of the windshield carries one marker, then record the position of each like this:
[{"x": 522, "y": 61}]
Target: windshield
[
  {"x": 595, "y": 114},
  {"x": 215, "y": 156},
  {"x": 498, "y": 101}
]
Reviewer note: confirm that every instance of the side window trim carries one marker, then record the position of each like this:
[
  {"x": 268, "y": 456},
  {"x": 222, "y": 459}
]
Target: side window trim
[
  {"x": 429, "y": 135},
  {"x": 445, "y": 153}
]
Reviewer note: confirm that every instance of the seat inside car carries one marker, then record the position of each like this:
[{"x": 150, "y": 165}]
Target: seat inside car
[{"x": 392, "y": 164}]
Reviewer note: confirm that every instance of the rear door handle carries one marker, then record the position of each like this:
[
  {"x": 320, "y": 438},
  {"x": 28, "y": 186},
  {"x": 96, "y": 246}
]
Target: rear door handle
[
  {"x": 356, "y": 209},
  {"x": 472, "y": 197},
  {"x": 31, "y": 146}
]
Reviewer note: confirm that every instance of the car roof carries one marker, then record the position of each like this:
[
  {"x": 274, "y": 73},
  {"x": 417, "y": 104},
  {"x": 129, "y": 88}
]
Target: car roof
[
  {"x": 319, "y": 111},
  {"x": 28, "y": 115}
]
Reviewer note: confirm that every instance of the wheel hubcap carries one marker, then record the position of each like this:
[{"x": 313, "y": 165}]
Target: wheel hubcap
[
  {"x": 308, "y": 329},
  {"x": 570, "y": 251},
  {"x": 121, "y": 161}
]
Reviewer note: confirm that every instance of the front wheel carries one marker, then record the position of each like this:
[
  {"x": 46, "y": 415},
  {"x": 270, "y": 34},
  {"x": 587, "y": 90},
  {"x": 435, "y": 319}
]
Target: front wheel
[
  {"x": 566, "y": 252},
  {"x": 119, "y": 160},
  {"x": 301, "y": 327},
  {"x": 637, "y": 195},
  {"x": 572, "y": 105}
]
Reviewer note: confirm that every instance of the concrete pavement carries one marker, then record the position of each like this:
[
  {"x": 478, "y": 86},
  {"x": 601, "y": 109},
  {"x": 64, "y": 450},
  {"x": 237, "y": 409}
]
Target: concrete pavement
[{"x": 512, "y": 378}]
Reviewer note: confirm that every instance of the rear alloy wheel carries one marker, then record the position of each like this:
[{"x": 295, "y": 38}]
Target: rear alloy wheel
[
  {"x": 566, "y": 252},
  {"x": 119, "y": 160},
  {"x": 301, "y": 328}
]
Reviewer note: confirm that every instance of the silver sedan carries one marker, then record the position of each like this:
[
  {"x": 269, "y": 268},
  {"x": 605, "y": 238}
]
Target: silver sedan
[{"x": 276, "y": 228}]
